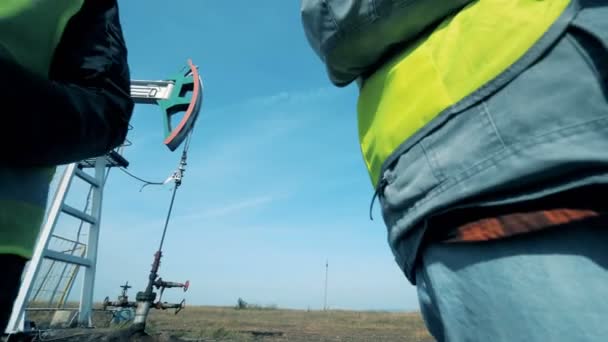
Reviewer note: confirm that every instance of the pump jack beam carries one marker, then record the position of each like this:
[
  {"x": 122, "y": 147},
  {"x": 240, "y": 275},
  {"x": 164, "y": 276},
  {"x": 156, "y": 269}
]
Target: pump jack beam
[{"x": 172, "y": 96}]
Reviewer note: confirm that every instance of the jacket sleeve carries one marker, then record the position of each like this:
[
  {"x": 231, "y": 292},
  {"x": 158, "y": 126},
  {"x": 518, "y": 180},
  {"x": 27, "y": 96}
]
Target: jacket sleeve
[{"x": 83, "y": 109}]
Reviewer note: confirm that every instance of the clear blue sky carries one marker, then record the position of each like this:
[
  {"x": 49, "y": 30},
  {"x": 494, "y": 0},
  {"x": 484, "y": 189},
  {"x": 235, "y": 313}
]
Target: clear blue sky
[{"x": 275, "y": 183}]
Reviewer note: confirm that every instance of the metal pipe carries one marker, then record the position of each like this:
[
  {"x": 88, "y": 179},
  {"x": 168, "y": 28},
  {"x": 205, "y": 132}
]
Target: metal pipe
[{"x": 141, "y": 313}]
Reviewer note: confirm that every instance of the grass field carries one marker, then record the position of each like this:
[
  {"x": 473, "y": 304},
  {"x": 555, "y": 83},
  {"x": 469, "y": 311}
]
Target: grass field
[
  {"x": 253, "y": 323},
  {"x": 229, "y": 324}
]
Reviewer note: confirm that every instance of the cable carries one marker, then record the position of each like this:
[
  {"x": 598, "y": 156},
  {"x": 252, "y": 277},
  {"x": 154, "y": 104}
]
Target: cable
[
  {"x": 140, "y": 179},
  {"x": 146, "y": 183},
  {"x": 178, "y": 181}
]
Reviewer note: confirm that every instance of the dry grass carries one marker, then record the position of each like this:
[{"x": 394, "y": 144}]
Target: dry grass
[
  {"x": 229, "y": 324},
  {"x": 272, "y": 325}
]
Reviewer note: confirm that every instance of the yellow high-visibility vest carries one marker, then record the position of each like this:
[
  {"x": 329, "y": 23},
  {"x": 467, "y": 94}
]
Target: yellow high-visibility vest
[{"x": 465, "y": 52}]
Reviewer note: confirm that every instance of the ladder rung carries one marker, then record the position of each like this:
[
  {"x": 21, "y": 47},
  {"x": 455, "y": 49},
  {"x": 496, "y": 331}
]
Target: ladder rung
[
  {"x": 78, "y": 214},
  {"x": 86, "y": 177},
  {"x": 67, "y": 258}
]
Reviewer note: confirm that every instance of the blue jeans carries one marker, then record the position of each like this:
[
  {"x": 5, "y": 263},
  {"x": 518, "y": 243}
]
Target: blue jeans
[{"x": 545, "y": 286}]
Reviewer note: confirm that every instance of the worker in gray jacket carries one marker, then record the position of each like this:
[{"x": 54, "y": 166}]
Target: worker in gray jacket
[{"x": 484, "y": 128}]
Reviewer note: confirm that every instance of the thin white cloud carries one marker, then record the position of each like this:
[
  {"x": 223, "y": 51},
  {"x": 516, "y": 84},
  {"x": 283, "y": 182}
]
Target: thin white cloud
[
  {"x": 293, "y": 97},
  {"x": 280, "y": 99},
  {"x": 232, "y": 208}
]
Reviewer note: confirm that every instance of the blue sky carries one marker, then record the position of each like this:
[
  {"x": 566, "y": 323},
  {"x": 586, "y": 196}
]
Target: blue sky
[{"x": 275, "y": 183}]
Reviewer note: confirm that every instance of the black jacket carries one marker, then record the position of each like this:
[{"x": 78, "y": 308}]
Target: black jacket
[{"x": 83, "y": 109}]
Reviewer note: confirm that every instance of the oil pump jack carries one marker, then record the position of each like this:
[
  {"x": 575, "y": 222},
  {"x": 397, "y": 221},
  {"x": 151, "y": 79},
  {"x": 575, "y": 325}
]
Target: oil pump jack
[{"x": 57, "y": 258}]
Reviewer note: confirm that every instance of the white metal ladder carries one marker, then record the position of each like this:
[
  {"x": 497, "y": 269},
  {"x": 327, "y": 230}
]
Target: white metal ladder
[{"x": 43, "y": 250}]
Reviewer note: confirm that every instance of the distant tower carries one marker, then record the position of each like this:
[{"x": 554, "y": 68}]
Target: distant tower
[{"x": 326, "y": 277}]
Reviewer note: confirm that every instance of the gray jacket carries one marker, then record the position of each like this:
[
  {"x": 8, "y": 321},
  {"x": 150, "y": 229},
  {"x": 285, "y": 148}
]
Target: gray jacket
[
  {"x": 539, "y": 128},
  {"x": 353, "y": 36}
]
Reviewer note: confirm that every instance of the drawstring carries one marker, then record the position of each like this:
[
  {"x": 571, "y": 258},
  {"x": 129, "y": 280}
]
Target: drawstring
[{"x": 381, "y": 185}]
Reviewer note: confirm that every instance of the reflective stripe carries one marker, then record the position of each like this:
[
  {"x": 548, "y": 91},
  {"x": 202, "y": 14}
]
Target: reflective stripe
[{"x": 465, "y": 52}]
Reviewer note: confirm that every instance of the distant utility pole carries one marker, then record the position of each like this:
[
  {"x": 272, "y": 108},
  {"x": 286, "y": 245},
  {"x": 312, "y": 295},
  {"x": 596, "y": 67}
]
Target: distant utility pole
[{"x": 326, "y": 276}]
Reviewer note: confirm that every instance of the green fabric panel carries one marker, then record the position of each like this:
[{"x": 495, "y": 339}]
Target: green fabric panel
[
  {"x": 19, "y": 226},
  {"x": 30, "y": 30}
]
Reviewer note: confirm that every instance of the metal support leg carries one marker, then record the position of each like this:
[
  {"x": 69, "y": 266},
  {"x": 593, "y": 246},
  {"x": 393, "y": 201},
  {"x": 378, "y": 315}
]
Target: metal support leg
[{"x": 86, "y": 301}]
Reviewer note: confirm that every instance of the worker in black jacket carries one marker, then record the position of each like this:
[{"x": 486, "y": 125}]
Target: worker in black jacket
[{"x": 64, "y": 97}]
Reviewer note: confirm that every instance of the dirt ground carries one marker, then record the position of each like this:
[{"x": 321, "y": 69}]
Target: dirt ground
[{"x": 208, "y": 324}]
